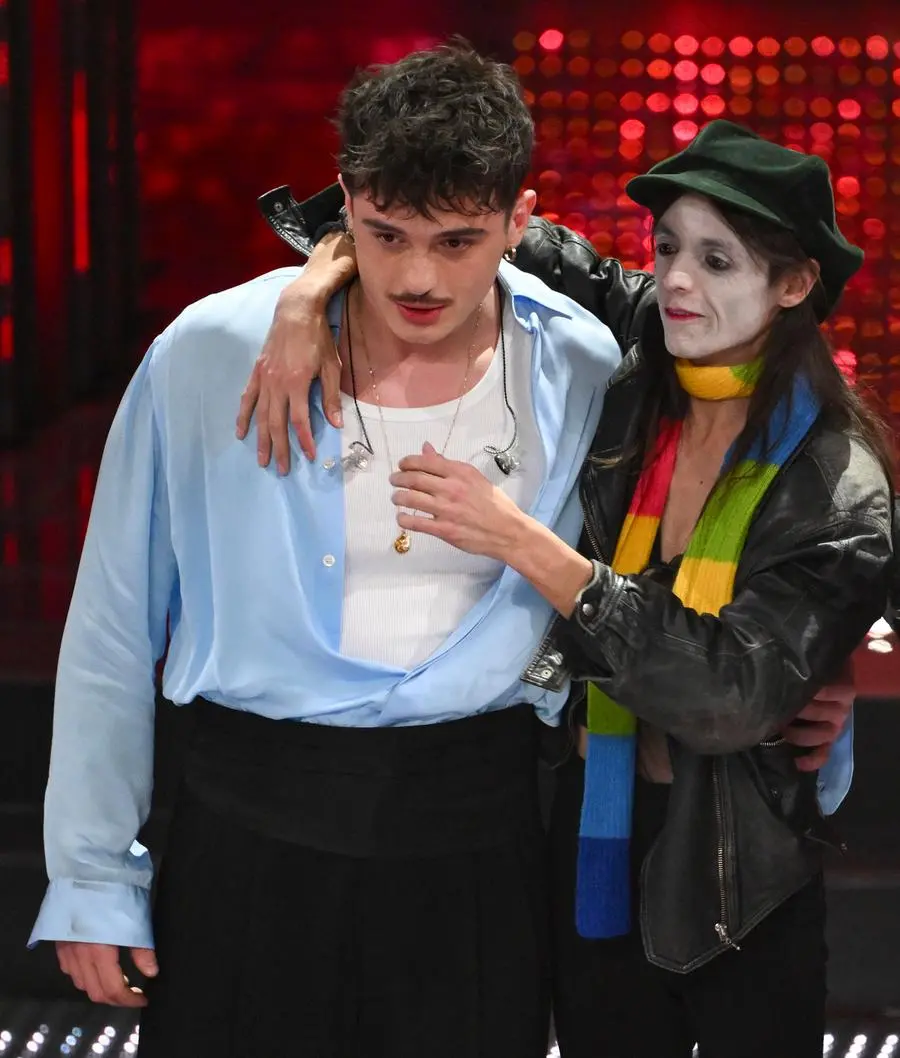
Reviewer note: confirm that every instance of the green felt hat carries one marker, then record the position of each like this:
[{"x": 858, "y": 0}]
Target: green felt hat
[{"x": 732, "y": 165}]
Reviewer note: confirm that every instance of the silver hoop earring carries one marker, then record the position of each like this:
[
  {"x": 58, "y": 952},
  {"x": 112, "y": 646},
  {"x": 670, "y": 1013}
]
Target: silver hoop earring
[{"x": 345, "y": 223}]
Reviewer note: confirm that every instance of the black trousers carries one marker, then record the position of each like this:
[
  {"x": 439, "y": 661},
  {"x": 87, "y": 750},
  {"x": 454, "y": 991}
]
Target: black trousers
[
  {"x": 765, "y": 1001},
  {"x": 269, "y": 945}
]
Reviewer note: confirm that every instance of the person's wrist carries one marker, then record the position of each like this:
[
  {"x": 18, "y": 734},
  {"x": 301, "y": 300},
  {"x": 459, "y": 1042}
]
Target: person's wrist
[
  {"x": 331, "y": 266},
  {"x": 519, "y": 543}
]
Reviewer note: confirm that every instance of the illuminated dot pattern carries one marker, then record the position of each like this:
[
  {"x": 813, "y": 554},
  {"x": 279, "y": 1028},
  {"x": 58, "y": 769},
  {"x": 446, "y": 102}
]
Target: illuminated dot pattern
[{"x": 645, "y": 94}]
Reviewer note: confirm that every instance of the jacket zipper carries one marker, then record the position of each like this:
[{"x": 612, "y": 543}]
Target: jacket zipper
[
  {"x": 722, "y": 924},
  {"x": 589, "y": 529}
]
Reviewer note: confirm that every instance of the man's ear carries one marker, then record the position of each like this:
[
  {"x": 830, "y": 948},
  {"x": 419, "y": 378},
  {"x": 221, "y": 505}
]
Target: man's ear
[{"x": 521, "y": 214}]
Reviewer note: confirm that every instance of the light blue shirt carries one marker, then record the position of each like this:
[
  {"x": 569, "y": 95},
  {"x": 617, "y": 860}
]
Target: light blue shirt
[{"x": 246, "y": 568}]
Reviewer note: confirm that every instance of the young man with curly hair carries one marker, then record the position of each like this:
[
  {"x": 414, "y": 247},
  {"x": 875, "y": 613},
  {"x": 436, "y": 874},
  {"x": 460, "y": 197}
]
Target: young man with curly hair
[{"x": 355, "y": 863}]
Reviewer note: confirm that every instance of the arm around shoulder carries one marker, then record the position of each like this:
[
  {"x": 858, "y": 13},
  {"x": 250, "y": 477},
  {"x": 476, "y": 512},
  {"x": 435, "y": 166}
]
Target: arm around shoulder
[{"x": 804, "y": 600}]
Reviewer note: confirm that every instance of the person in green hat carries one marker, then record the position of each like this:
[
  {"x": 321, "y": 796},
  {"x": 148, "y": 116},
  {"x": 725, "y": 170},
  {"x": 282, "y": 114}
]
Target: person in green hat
[{"x": 737, "y": 546}]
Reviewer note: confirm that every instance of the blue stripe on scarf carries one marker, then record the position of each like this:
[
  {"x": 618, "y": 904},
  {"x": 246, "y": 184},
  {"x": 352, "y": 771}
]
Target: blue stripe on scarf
[{"x": 603, "y": 892}]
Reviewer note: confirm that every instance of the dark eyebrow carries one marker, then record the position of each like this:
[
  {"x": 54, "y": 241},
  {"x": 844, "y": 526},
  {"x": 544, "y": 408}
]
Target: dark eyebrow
[
  {"x": 707, "y": 244},
  {"x": 448, "y": 233}
]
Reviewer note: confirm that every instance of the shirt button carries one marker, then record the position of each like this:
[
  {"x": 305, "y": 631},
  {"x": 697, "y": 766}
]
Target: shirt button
[
  {"x": 328, "y": 463},
  {"x": 328, "y": 561},
  {"x": 588, "y": 609}
]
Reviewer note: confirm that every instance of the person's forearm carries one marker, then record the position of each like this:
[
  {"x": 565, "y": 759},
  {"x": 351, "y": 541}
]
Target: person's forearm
[
  {"x": 556, "y": 570},
  {"x": 331, "y": 266}
]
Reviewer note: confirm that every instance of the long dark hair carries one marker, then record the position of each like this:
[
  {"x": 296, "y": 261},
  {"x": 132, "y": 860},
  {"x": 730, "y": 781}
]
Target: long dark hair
[{"x": 795, "y": 345}]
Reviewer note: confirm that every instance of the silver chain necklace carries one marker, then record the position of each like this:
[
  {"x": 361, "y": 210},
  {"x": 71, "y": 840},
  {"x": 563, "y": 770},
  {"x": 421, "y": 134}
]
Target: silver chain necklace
[{"x": 360, "y": 452}]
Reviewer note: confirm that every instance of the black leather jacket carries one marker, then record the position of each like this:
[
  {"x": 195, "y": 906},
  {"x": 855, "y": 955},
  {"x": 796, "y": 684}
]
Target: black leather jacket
[{"x": 744, "y": 830}]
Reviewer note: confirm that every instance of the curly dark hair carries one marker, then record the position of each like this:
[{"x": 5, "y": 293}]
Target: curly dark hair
[{"x": 443, "y": 129}]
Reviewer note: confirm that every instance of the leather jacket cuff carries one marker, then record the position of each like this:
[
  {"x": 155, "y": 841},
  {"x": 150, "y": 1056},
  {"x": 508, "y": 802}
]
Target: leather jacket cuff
[
  {"x": 596, "y": 600},
  {"x": 322, "y": 209},
  {"x": 326, "y": 229}
]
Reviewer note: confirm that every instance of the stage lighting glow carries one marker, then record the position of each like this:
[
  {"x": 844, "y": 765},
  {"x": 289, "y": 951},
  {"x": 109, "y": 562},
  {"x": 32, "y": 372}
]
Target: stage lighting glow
[
  {"x": 685, "y": 70},
  {"x": 579, "y": 38},
  {"x": 632, "y": 129},
  {"x": 659, "y": 69},
  {"x": 847, "y": 186},
  {"x": 741, "y": 78},
  {"x": 686, "y": 45},
  {"x": 712, "y": 106},
  {"x": 685, "y": 130},
  {"x": 740, "y": 46},
  {"x": 826, "y": 96},
  {"x": 713, "y": 73},
  {"x": 821, "y": 107},
  {"x": 849, "y": 109}
]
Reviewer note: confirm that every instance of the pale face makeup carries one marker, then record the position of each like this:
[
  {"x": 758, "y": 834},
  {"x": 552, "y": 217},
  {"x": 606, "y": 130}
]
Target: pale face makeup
[{"x": 715, "y": 299}]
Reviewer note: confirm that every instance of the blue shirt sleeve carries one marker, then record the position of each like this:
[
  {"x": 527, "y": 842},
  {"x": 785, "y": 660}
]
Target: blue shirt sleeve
[
  {"x": 101, "y": 762},
  {"x": 836, "y": 775}
]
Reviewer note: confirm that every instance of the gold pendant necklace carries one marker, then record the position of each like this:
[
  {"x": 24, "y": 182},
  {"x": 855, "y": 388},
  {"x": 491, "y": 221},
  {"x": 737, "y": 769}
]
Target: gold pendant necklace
[{"x": 403, "y": 542}]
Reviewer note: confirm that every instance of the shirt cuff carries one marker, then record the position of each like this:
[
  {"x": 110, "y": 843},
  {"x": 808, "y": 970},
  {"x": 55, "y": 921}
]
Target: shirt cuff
[
  {"x": 836, "y": 775},
  {"x": 94, "y": 913}
]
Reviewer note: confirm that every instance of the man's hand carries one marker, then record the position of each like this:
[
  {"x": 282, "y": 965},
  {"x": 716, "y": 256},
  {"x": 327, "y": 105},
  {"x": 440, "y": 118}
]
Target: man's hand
[
  {"x": 95, "y": 969},
  {"x": 299, "y": 347},
  {"x": 823, "y": 719}
]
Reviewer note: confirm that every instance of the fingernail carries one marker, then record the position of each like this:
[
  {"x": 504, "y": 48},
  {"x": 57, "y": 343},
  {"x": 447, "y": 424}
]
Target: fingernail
[
  {"x": 282, "y": 469},
  {"x": 339, "y": 419}
]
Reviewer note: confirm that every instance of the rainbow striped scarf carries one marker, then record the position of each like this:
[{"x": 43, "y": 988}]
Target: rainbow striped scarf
[{"x": 705, "y": 583}]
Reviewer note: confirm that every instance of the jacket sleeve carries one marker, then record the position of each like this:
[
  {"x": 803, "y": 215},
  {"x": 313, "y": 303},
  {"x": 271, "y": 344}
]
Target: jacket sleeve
[
  {"x": 624, "y": 300},
  {"x": 721, "y": 684}
]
